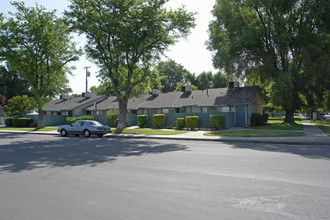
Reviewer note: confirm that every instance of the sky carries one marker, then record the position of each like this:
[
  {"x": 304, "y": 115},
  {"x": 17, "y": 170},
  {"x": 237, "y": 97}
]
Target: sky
[{"x": 190, "y": 52}]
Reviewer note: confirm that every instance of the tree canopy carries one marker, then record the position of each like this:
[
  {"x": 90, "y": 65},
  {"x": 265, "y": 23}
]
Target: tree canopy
[
  {"x": 124, "y": 37},
  {"x": 38, "y": 44},
  {"x": 281, "y": 44}
]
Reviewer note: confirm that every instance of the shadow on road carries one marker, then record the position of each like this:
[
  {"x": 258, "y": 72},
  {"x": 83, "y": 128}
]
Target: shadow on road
[
  {"x": 26, "y": 154},
  {"x": 308, "y": 151}
]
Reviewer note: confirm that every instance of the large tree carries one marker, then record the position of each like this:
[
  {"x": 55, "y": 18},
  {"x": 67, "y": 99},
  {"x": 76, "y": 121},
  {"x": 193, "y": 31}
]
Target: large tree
[
  {"x": 12, "y": 83},
  {"x": 124, "y": 37},
  {"x": 38, "y": 44},
  {"x": 171, "y": 74},
  {"x": 275, "y": 43}
]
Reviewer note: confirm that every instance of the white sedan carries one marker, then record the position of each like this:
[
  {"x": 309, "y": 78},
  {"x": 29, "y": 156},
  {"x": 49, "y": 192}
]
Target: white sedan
[{"x": 84, "y": 127}]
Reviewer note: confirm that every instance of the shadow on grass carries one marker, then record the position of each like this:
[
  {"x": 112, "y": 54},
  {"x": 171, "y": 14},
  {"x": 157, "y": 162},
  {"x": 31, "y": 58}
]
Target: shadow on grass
[{"x": 21, "y": 153}]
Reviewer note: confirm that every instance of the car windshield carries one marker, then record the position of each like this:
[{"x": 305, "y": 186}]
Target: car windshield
[{"x": 95, "y": 123}]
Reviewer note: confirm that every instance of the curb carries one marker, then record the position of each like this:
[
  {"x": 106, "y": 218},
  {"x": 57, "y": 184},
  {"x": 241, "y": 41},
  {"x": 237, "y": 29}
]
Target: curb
[{"x": 215, "y": 139}]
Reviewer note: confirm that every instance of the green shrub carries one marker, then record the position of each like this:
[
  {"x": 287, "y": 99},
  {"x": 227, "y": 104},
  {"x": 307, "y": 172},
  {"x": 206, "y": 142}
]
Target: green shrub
[
  {"x": 21, "y": 122},
  {"x": 255, "y": 119},
  {"x": 258, "y": 120},
  {"x": 192, "y": 122},
  {"x": 217, "y": 121},
  {"x": 142, "y": 120},
  {"x": 9, "y": 122},
  {"x": 112, "y": 118},
  {"x": 69, "y": 120},
  {"x": 180, "y": 123},
  {"x": 159, "y": 120}
]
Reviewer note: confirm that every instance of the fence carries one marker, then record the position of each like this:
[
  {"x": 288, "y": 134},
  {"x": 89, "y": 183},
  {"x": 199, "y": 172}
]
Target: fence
[{"x": 171, "y": 119}]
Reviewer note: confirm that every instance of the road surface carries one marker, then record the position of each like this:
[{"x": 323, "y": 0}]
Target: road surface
[{"x": 52, "y": 177}]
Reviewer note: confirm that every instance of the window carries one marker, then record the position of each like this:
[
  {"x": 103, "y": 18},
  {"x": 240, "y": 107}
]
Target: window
[
  {"x": 166, "y": 111},
  {"x": 88, "y": 112}
]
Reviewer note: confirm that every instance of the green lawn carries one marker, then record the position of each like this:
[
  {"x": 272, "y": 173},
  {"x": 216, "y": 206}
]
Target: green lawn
[
  {"x": 276, "y": 123},
  {"x": 29, "y": 129},
  {"x": 150, "y": 131},
  {"x": 250, "y": 133},
  {"x": 324, "y": 126}
]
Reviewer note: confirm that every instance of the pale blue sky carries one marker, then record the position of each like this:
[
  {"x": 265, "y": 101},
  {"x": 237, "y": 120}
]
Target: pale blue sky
[{"x": 190, "y": 52}]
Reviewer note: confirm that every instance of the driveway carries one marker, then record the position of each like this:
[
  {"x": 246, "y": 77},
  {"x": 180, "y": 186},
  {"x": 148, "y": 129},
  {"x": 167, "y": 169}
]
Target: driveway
[{"x": 51, "y": 177}]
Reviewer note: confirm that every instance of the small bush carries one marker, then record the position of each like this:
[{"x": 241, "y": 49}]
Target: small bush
[
  {"x": 21, "y": 122},
  {"x": 192, "y": 122},
  {"x": 180, "y": 123},
  {"x": 258, "y": 120},
  {"x": 69, "y": 120},
  {"x": 112, "y": 118},
  {"x": 159, "y": 120},
  {"x": 217, "y": 121},
  {"x": 142, "y": 120},
  {"x": 9, "y": 122}
]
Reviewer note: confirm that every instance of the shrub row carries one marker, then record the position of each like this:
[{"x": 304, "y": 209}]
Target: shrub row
[
  {"x": 191, "y": 122},
  {"x": 258, "y": 119},
  {"x": 69, "y": 120},
  {"x": 18, "y": 122}
]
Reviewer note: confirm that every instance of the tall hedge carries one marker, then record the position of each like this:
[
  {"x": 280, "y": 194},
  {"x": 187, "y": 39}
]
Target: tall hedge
[
  {"x": 9, "y": 122},
  {"x": 69, "y": 120},
  {"x": 159, "y": 120},
  {"x": 21, "y": 122},
  {"x": 142, "y": 120},
  {"x": 192, "y": 122},
  {"x": 180, "y": 123},
  {"x": 217, "y": 122}
]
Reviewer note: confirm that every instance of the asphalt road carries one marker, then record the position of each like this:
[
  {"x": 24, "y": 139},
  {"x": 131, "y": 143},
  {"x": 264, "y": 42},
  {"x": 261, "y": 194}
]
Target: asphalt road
[{"x": 51, "y": 177}]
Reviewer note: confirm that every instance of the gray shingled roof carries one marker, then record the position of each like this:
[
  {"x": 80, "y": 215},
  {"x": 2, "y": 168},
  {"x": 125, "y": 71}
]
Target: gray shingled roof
[
  {"x": 71, "y": 103},
  {"x": 210, "y": 97}
]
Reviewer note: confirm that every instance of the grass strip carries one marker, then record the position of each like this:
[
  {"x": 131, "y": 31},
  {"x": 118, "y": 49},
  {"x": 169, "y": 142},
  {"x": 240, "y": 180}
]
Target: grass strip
[
  {"x": 250, "y": 133},
  {"x": 150, "y": 131},
  {"x": 28, "y": 129}
]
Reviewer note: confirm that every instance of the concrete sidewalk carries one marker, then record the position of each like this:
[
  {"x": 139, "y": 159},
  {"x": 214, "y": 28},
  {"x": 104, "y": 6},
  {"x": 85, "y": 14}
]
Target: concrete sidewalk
[{"x": 313, "y": 136}]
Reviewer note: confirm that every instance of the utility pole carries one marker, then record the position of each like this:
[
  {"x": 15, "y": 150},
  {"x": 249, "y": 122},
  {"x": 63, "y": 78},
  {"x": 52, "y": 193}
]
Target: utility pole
[{"x": 87, "y": 75}]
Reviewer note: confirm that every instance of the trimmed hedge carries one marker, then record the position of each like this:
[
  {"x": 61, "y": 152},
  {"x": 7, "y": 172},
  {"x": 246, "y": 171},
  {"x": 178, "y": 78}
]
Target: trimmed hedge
[
  {"x": 69, "y": 120},
  {"x": 258, "y": 120},
  {"x": 180, "y": 123},
  {"x": 159, "y": 120},
  {"x": 217, "y": 121},
  {"x": 18, "y": 122},
  {"x": 142, "y": 120},
  {"x": 192, "y": 122},
  {"x": 9, "y": 122}
]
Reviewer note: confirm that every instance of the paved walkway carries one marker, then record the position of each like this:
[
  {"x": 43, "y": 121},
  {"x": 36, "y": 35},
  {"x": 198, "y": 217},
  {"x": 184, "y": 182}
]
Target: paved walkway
[{"x": 313, "y": 135}]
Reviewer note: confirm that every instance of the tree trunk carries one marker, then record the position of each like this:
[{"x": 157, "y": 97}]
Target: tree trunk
[
  {"x": 122, "y": 115},
  {"x": 289, "y": 116},
  {"x": 41, "y": 121}
]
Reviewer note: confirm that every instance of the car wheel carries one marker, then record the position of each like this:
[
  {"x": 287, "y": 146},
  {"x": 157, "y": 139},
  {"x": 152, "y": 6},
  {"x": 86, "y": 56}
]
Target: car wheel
[
  {"x": 64, "y": 133},
  {"x": 87, "y": 133},
  {"x": 100, "y": 135}
]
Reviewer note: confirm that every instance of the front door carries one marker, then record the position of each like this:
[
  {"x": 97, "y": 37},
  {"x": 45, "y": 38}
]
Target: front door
[{"x": 240, "y": 115}]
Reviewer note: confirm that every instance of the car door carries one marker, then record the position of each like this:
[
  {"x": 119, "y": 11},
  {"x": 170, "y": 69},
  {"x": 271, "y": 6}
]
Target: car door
[
  {"x": 80, "y": 127},
  {"x": 74, "y": 127}
]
